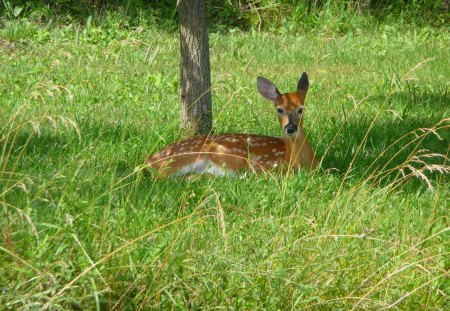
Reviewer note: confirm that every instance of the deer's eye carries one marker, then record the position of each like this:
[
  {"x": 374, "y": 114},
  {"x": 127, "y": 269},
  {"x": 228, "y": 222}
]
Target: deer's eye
[
  {"x": 280, "y": 110},
  {"x": 300, "y": 110}
]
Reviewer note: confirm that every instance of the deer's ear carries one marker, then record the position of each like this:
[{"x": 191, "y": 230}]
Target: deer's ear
[
  {"x": 302, "y": 86},
  {"x": 267, "y": 89}
]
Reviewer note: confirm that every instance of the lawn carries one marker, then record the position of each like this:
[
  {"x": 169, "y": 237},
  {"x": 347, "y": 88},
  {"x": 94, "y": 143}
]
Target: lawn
[{"x": 82, "y": 228}]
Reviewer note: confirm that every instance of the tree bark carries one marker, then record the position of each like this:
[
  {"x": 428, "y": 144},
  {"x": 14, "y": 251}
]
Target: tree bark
[{"x": 196, "y": 103}]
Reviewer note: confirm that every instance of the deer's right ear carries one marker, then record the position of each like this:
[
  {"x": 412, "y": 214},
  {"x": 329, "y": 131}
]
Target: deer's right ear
[{"x": 267, "y": 89}]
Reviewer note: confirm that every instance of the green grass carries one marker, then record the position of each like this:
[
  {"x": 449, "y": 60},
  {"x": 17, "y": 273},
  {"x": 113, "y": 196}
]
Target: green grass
[{"x": 82, "y": 228}]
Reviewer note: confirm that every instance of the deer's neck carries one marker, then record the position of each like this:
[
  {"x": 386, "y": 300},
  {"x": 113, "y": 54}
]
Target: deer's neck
[{"x": 299, "y": 152}]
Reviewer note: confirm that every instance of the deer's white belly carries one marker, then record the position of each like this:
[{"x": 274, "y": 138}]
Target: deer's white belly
[{"x": 204, "y": 166}]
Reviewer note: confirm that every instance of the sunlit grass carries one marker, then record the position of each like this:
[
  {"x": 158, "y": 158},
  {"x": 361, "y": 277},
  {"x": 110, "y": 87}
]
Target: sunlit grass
[{"x": 81, "y": 227}]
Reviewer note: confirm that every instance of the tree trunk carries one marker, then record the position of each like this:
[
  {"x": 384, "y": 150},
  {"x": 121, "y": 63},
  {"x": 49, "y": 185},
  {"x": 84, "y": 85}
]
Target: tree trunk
[{"x": 196, "y": 107}]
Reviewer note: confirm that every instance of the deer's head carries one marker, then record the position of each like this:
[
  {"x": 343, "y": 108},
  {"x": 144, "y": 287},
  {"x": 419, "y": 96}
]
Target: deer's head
[{"x": 289, "y": 106}]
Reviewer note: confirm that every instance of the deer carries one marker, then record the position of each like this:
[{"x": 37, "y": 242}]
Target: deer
[{"x": 228, "y": 154}]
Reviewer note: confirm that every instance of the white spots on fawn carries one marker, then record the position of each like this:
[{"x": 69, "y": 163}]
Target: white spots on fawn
[
  {"x": 239, "y": 151},
  {"x": 257, "y": 158},
  {"x": 231, "y": 139},
  {"x": 220, "y": 155},
  {"x": 279, "y": 153}
]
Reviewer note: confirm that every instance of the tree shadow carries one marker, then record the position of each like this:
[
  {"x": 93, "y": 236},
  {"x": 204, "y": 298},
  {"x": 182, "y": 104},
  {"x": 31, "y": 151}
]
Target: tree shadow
[
  {"x": 409, "y": 125},
  {"x": 361, "y": 146}
]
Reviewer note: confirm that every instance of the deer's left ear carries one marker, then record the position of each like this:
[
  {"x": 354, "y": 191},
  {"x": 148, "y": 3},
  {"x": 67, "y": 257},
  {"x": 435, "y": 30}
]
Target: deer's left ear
[{"x": 302, "y": 86}]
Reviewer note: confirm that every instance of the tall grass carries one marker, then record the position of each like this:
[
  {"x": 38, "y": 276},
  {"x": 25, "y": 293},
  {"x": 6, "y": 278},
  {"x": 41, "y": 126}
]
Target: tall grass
[{"x": 82, "y": 228}]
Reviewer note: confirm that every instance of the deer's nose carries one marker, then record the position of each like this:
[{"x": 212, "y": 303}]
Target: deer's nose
[{"x": 290, "y": 128}]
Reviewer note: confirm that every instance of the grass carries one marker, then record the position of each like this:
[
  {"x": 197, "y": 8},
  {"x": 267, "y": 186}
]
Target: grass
[{"x": 82, "y": 228}]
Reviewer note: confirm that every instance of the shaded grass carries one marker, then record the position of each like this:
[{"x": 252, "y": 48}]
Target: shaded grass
[{"x": 81, "y": 227}]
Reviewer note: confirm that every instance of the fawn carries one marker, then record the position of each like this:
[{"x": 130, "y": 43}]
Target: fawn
[{"x": 227, "y": 154}]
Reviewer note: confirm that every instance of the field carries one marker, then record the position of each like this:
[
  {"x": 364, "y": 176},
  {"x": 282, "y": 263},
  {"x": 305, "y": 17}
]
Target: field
[{"x": 82, "y": 228}]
